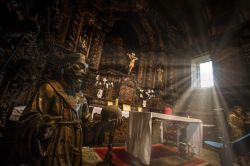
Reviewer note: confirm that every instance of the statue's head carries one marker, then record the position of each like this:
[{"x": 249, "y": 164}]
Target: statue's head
[
  {"x": 75, "y": 70},
  {"x": 238, "y": 110}
]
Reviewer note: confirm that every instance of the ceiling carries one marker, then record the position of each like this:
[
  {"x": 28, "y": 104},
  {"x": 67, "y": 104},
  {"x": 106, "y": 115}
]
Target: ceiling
[{"x": 167, "y": 24}]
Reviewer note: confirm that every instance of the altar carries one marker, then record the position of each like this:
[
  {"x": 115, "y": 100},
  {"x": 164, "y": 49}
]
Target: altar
[
  {"x": 139, "y": 140},
  {"x": 98, "y": 110}
]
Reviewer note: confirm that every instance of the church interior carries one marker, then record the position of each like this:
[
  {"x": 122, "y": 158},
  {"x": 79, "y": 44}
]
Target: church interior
[{"x": 126, "y": 83}]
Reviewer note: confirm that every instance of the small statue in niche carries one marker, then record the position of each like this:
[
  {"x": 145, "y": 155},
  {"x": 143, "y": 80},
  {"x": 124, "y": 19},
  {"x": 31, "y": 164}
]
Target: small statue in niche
[
  {"x": 109, "y": 91},
  {"x": 132, "y": 58},
  {"x": 160, "y": 73},
  {"x": 144, "y": 103},
  {"x": 83, "y": 41},
  {"x": 99, "y": 93},
  {"x": 98, "y": 80},
  {"x": 99, "y": 86}
]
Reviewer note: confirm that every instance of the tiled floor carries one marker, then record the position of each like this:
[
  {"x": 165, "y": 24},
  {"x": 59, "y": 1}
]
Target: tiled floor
[{"x": 210, "y": 156}]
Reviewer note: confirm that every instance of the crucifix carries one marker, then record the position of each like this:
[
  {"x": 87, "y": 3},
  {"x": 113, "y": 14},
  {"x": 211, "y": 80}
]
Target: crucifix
[{"x": 132, "y": 58}]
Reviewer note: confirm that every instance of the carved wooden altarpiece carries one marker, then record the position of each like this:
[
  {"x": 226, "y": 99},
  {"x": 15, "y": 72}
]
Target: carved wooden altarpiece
[{"x": 128, "y": 90}]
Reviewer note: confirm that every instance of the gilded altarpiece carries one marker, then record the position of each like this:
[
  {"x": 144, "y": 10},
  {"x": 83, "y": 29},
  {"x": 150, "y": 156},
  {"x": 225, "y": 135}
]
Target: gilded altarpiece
[
  {"x": 75, "y": 30},
  {"x": 152, "y": 71}
]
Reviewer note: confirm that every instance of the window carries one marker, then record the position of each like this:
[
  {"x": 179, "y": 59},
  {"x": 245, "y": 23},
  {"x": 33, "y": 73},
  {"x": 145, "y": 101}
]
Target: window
[
  {"x": 206, "y": 74},
  {"x": 202, "y": 72}
]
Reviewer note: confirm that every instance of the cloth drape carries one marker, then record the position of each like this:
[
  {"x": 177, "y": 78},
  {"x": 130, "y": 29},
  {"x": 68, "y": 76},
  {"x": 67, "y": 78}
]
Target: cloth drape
[
  {"x": 194, "y": 137},
  {"x": 139, "y": 137}
]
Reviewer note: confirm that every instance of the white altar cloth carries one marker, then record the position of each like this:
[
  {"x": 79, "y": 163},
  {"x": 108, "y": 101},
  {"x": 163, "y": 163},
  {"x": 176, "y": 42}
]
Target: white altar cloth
[
  {"x": 98, "y": 110},
  {"x": 140, "y": 133}
]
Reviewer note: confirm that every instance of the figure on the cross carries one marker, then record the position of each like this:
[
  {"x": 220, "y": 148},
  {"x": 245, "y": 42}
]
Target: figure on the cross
[{"x": 132, "y": 58}]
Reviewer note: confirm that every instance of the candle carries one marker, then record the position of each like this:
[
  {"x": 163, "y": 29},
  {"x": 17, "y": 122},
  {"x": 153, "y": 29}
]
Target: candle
[{"x": 116, "y": 102}]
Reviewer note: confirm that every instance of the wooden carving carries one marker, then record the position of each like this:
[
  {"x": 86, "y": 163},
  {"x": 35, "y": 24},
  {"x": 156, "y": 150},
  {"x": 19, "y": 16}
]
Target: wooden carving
[
  {"x": 142, "y": 68},
  {"x": 114, "y": 54},
  {"x": 85, "y": 39},
  {"x": 74, "y": 30},
  {"x": 126, "y": 93},
  {"x": 60, "y": 21},
  {"x": 96, "y": 49},
  {"x": 128, "y": 90},
  {"x": 159, "y": 77},
  {"x": 18, "y": 86}
]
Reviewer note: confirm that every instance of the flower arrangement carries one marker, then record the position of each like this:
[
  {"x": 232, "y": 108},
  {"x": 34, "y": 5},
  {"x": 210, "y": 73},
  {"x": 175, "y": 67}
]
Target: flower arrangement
[
  {"x": 146, "y": 94},
  {"x": 103, "y": 82}
]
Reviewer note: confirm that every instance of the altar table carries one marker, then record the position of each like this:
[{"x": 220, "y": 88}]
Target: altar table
[{"x": 139, "y": 140}]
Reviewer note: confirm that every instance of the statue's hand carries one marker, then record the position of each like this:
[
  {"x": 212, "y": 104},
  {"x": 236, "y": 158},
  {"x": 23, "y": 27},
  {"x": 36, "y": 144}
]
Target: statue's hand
[
  {"x": 118, "y": 122},
  {"x": 47, "y": 127},
  {"x": 111, "y": 117},
  {"x": 76, "y": 152},
  {"x": 46, "y": 131}
]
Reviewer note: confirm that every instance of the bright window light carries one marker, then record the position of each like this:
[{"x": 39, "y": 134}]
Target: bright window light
[
  {"x": 206, "y": 75},
  {"x": 202, "y": 72}
]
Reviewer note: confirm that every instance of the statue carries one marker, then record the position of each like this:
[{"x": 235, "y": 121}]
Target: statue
[
  {"x": 51, "y": 129},
  {"x": 54, "y": 126},
  {"x": 132, "y": 58},
  {"x": 236, "y": 123},
  {"x": 160, "y": 73}
]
